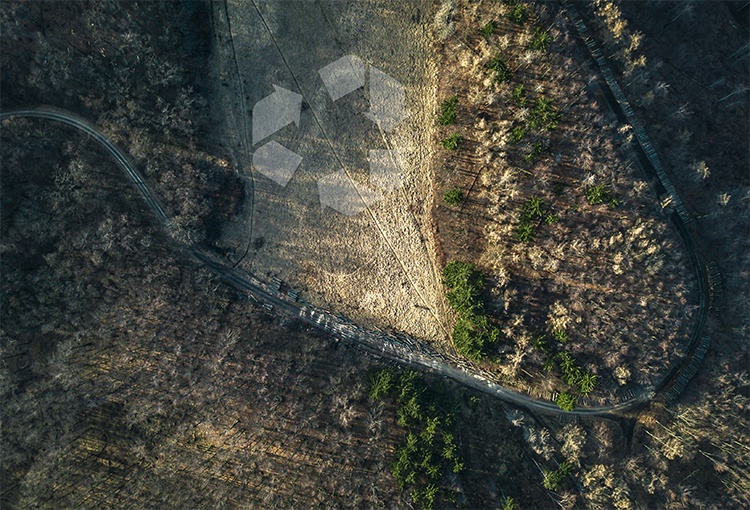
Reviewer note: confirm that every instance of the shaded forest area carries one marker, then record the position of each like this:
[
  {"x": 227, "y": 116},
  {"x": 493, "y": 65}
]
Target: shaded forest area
[
  {"x": 131, "y": 377},
  {"x": 139, "y": 71}
]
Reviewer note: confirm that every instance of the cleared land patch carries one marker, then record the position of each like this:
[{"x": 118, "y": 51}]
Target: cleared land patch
[{"x": 376, "y": 267}]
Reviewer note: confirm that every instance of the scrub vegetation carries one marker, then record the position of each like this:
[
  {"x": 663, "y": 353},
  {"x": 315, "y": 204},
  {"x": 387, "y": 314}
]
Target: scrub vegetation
[
  {"x": 540, "y": 156},
  {"x": 134, "y": 378}
]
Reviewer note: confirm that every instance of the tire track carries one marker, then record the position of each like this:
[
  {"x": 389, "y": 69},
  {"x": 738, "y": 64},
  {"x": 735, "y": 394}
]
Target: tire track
[{"x": 245, "y": 145}]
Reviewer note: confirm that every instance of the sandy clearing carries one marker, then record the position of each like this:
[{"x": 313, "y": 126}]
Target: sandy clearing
[{"x": 377, "y": 267}]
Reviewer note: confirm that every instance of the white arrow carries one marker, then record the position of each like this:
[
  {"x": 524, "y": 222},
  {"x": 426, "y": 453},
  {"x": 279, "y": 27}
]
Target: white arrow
[
  {"x": 339, "y": 192},
  {"x": 276, "y": 162},
  {"x": 345, "y": 75},
  {"x": 386, "y": 100},
  {"x": 274, "y": 112}
]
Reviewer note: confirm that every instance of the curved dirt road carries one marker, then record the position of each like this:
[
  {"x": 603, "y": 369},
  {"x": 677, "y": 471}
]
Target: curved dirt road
[{"x": 417, "y": 356}]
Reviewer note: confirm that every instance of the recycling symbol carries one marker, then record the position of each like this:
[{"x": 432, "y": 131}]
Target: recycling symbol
[{"x": 336, "y": 190}]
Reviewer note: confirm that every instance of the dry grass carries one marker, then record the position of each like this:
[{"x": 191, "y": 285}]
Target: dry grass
[{"x": 616, "y": 280}]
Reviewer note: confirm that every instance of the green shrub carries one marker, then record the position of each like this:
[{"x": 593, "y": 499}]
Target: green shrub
[
  {"x": 524, "y": 233},
  {"x": 541, "y": 40},
  {"x": 549, "y": 362},
  {"x": 571, "y": 370},
  {"x": 543, "y": 115},
  {"x": 599, "y": 194},
  {"x": 452, "y": 142},
  {"x": 465, "y": 284},
  {"x": 498, "y": 66},
  {"x": 489, "y": 29},
  {"x": 596, "y": 194},
  {"x": 531, "y": 208},
  {"x": 540, "y": 342},
  {"x": 519, "y": 98},
  {"x": 560, "y": 336},
  {"x": 453, "y": 196},
  {"x": 448, "y": 111},
  {"x": 458, "y": 273},
  {"x": 536, "y": 151},
  {"x": 558, "y": 188},
  {"x": 572, "y": 374},
  {"x": 517, "y": 135},
  {"x": 566, "y": 402},
  {"x": 473, "y": 333},
  {"x": 583, "y": 382},
  {"x": 430, "y": 450},
  {"x": 380, "y": 383},
  {"x": 554, "y": 479},
  {"x": 586, "y": 383},
  {"x": 517, "y": 14},
  {"x": 473, "y": 402}
]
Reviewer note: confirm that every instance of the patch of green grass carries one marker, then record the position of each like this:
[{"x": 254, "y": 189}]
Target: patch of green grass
[
  {"x": 453, "y": 196},
  {"x": 448, "y": 111},
  {"x": 498, "y": 66},
  {"x": 488, "y": 29},
  {"x": 517, "y": 135},
  {"x": 541, "y": 40},
  {"x": 599, "y": 194},
  {"x": 452, "y": 142},
  {"x": 517, "y": 14}
]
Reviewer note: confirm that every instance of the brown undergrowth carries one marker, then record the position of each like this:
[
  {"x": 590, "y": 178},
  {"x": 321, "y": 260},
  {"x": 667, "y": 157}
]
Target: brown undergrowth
[{"x": 616, "y": 279}]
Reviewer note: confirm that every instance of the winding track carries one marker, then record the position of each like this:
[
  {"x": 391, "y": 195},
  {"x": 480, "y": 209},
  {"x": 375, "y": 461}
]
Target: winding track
[
  {"x": 397, "y": 347},
  {"x": 393, "y": 347}
]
